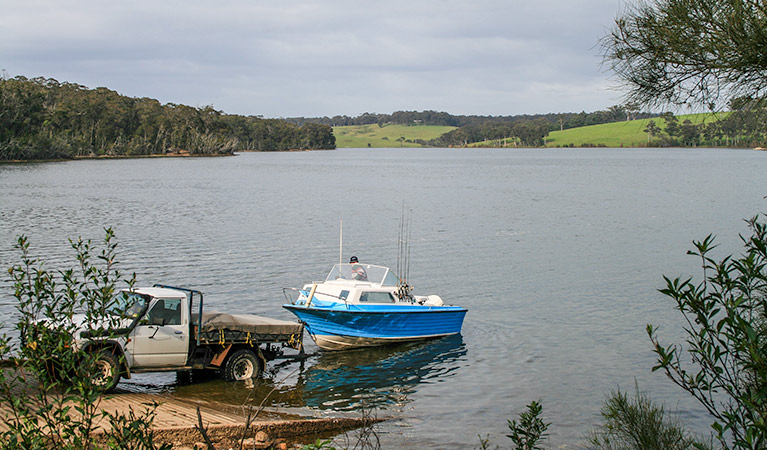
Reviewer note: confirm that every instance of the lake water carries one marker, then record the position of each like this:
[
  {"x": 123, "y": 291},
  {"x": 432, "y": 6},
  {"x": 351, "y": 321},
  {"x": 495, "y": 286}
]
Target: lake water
[{"x": 557, "y": 254}]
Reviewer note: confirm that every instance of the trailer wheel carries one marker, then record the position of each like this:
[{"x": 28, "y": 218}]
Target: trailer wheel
[
  {"x": 106, "y": 371},
  {"x": 242, "y": 365}
]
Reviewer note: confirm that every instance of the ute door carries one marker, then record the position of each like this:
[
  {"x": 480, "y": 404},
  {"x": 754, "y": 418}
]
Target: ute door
[{"x": 161, "y": 339}]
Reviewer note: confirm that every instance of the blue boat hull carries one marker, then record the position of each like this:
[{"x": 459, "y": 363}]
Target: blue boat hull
[{"x": 340, "y": 326}]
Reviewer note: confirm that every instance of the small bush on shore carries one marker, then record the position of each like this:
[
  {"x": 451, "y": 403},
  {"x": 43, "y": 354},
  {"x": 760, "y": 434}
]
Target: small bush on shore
[
  {"x": 530, "y": 429},
  {"x": 637, "y": 423},
  {"x": 50, "y": 394}
]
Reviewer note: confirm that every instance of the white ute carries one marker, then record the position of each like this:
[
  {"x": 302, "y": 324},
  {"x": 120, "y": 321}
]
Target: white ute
[{"x": 164, "y": 328}]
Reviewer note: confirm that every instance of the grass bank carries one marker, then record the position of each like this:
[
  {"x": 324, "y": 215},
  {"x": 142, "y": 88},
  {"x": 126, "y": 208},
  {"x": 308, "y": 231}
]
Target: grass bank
[
  {"x": 356, "y": 136},
  {"x": 619, "y": 134}
]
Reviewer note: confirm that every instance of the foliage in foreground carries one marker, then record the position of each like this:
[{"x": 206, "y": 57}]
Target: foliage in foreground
[
  {"x": 629, "y": 423},
  {"x": 637, "y": 423},
  {"x": 689, "y": 52},
  {"x": 50, "y": 394},
  {"x": 724, "y": 362},
  {"x": 530, "y": 429}
]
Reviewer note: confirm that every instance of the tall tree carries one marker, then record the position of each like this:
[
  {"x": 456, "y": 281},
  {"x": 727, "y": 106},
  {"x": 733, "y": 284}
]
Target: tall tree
[
  {"x": 652, "y": 130},
  {"x": 689, "y": 52}
]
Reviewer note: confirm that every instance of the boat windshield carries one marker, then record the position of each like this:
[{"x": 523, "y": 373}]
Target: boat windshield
[{"x": 363, "y": 272}]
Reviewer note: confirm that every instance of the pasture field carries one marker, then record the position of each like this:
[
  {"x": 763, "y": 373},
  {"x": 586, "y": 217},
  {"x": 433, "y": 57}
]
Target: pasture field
[
  {"x": 361, "y": 136},
  {"x": 618, "y": 134}
]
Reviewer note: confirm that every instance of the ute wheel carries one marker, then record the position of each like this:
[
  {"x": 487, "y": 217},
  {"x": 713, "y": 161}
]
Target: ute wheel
[
  {"x": 242, "y": 365},
  {"x": 106, "y": 371}
]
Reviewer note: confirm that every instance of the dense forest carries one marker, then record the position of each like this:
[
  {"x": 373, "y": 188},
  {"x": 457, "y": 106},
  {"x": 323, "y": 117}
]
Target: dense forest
[
  {"x": 41, "y": 118},
  {"x": 528, "y": 133},
  {"x": 553, "y": 121}
]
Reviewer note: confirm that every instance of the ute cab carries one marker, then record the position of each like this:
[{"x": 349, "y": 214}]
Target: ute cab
[
  {"x": 161, "y": 333},
  {"x": 153, "y": 331}
]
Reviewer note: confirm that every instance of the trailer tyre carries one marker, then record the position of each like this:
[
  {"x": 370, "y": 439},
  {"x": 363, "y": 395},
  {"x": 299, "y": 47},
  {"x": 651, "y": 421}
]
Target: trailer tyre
[
  {"x": 242, "y": 365},
  {"x": 106, "y": 371}
]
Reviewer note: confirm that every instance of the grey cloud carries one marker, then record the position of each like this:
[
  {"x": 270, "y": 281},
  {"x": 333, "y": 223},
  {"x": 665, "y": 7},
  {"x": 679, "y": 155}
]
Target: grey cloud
[{"x": 322, "y": 58}]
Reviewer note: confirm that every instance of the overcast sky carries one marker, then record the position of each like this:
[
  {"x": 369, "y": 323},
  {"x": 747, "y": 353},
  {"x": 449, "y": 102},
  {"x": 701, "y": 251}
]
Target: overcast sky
[{"x": 287, "y": 58}]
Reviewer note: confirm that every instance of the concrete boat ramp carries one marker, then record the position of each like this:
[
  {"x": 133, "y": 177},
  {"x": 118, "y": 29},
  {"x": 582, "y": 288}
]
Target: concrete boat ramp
[{"x": 176, "y": 423}]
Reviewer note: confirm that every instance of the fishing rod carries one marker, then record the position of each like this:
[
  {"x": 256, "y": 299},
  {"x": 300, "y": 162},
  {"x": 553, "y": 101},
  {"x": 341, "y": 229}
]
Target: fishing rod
[{"x": 403, "y": 256}]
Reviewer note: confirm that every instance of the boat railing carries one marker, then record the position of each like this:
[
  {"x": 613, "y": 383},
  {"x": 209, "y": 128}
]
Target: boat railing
[
  {"x": 294, "y": 300},
  {"x": 288, "y": 297}
]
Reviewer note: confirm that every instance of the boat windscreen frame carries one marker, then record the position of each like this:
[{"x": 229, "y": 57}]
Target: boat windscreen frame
[{"x": 380, "y": 275}]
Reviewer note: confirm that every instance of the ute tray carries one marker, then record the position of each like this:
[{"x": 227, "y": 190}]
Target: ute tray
[{"x": 222, "y": 328}]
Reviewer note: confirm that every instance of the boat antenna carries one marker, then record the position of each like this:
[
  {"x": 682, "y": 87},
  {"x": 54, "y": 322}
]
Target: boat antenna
[
  {"x": 341, "y": 243},
  {"x": 407, "y": 259}
]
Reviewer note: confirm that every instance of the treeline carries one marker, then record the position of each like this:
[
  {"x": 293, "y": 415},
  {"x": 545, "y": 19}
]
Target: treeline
[
  {"x": 530, "y": 133},
  {"x": 745, "y": 126},
  {"x": 554, "y": 121},
  {"x": 41, "y": 118}
]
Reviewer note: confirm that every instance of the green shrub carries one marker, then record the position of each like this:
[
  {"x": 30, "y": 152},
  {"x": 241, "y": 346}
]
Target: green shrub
[
  {"x": 530, "y": 429},
  {"x": 724, "y": 362},
  {"x": 50, "y": 392},
  {"x": 638, "y": 424}
]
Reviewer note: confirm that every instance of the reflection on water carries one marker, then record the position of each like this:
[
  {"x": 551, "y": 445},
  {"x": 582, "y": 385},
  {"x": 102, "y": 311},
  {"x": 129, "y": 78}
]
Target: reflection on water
[{"x": 380, "y": 376}]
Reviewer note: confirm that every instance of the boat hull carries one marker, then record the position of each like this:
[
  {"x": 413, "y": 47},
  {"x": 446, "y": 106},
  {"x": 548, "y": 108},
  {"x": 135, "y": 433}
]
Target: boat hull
[{"x": 342, "y": 326}]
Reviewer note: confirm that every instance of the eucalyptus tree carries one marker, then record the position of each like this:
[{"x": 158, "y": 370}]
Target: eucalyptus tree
[{"x": 652, "y": 130}]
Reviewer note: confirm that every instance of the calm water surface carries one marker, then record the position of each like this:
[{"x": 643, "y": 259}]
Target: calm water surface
[{"x": 557, "y": 254}]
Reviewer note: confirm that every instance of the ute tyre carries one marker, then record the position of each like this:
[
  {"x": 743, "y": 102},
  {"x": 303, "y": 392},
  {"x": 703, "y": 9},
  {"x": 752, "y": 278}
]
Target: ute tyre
[
  {"x": 106, "y": 373},
  {"x": 242, "y": 365}
]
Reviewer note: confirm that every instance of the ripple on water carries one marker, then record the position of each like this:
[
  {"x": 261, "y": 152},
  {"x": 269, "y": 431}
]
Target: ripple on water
[{"x": 556, "y": 254}]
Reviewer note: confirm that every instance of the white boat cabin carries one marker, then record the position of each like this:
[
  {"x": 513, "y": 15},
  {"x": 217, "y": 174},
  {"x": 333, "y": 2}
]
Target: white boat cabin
[{"x": 366, "y": 283}]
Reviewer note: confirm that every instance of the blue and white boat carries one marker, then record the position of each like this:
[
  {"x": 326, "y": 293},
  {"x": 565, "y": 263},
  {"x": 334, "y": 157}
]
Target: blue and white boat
[{"x": 365, "y": 305}]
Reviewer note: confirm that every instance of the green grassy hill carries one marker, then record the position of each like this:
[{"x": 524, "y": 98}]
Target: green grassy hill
[
  {"x": 618, "y": 134},
  {"x": 357, "y": 136}
]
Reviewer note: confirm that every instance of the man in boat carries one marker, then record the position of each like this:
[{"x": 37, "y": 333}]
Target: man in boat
[{"x": 358, "y": 272}]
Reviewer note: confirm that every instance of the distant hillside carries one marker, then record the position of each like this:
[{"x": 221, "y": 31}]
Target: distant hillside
[
  {"x": 745, "y": 126},
  {"x": 736, "y": 129},
  {"x": 356, "y": 136},
  {"x": 624, "y": 134},
  {"x": 619, "y": 134}
]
